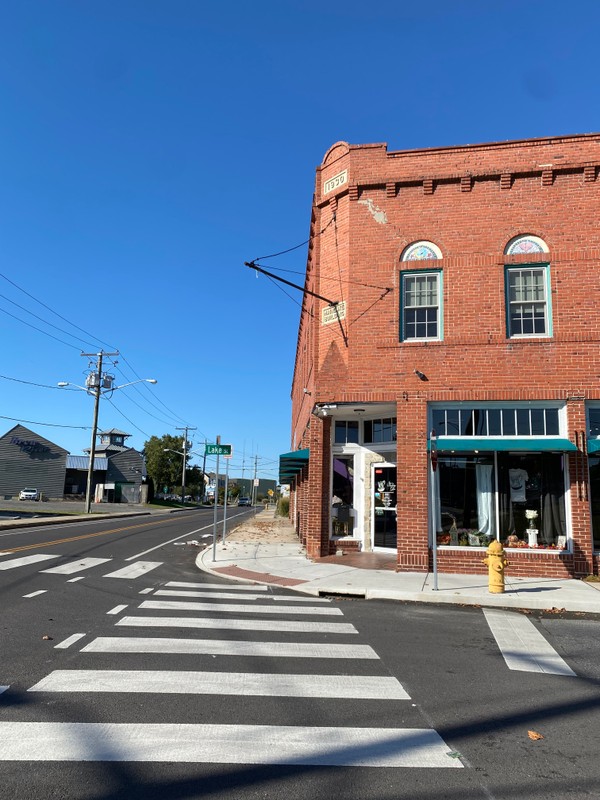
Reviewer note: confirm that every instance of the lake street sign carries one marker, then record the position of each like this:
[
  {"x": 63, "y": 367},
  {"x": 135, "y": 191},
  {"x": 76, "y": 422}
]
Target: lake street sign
[{"x": 218, "y": 449}]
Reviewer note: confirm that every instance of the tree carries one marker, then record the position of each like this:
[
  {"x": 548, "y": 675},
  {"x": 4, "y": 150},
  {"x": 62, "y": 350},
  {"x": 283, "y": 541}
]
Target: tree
[{"x": 165, "y": 468}]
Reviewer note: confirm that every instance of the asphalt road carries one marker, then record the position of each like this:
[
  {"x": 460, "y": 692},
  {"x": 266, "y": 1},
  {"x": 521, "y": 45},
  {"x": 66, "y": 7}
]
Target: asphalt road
[{"x": 136, "y": 676}]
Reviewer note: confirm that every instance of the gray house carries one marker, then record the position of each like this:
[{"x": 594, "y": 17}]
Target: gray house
[
  {"x": 30, "y": 460},
  {"x": 125, "y": 470}
]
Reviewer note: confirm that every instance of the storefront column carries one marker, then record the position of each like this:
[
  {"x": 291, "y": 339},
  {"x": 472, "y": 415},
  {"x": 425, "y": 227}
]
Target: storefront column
[
  {"x": 412, "y": 471},
  {"x": 581, "y": 518},
  {"x": 318, "y": 501}
]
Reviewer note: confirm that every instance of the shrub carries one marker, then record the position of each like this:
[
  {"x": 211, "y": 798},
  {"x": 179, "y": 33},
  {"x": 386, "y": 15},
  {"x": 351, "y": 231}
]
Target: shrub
[{"x": 283, "y": 507}]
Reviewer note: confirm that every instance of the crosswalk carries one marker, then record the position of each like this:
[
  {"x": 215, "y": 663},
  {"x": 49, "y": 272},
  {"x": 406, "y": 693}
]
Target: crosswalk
[
  {"x": 136, "y": 569},
  {"x": 301, "y": 650}
]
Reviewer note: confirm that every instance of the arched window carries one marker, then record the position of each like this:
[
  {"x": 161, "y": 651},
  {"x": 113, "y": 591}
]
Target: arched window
[
  {"x": 421, "y": 251},
  {"x": 524, "y": 245},
  {"x": 527, "y": 289},
  {"x": 421, "y": 294}
]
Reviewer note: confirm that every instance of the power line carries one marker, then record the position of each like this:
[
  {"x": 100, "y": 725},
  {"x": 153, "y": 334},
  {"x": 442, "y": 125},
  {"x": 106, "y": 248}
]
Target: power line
[
  {"x": 297, "y": 246},
  {"x": 47, "y": 424},
  {"x": 52, "y": 311},
  {"x": 41, "y": 319},
  {"x": 108, "y": 400},
  {"x": 35, "y": 328},
  {"x": 42, "y": 385}
]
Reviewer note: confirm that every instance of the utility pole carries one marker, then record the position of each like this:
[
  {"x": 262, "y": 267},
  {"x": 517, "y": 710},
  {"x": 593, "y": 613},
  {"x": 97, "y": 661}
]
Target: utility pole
[
  {"x": 185, "y": 442},
  {"x": 204, "y": 473},
  {"x": 254, "y": 481},
  {"x": 95, "y": 382}
]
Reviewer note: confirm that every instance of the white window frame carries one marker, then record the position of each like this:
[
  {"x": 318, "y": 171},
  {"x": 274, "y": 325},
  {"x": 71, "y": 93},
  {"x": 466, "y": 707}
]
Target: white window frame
[{"x": 412, "y": 274}]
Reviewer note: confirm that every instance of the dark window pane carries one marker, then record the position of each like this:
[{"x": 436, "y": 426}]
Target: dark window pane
[
  {"x": 494, "y": 428},
  {"x": 508, "y": 421},
  {"x": 340, "y": 432},
  {"x": 452, "y": 428},
  {"x": 352, "y": 432},
  {"x": 594, "y": 415},
  {"x": 438, "y": 422},
  {"x": 523, "y": 428},
  {"x": 466, "y": 421},
  {"x": 552, "y": 428},
  {"x": 537, "y": 421},
  {"x": 479, "y": 416},
  {"x": 368, "y": 428}
]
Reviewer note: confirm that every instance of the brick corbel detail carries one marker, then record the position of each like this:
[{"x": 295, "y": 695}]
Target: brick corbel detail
[
  {"x": 390, "y": 189},
  {"x": 547, "y": 177},
  {"x": 466, "y": 183},
  {"x": 428, "y": 186},
  {"x": 333, "y": 204},
  {"x": 589, "y": 173},
  {"x": 506, "y": 180},
  {"x": 353, "y": 191}
]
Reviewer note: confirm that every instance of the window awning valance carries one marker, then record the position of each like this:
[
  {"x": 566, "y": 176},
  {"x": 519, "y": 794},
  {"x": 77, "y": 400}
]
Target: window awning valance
[
  {"x": 593, "y": 445},
  {"x": 503, "y": 444},
  {"x": 290, "y": 464}
]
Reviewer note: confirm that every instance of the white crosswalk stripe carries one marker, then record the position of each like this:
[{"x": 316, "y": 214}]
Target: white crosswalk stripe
[
  {"x": 181, "y": 605},
  {"x": 224, "y": 744},
  {"x": 75, "y": 566},
  {"x": 220, "y": 683},
  {"x": 237, "y": 587},
  {"x": 127, "y": 644},
  {"x": 523, "y": 647},
  {"x": 233, "y": 596},
  {"x": 231, "y": 623},
  {"x": 24, "y": 561},
  {"x": 135, "y": 570}
]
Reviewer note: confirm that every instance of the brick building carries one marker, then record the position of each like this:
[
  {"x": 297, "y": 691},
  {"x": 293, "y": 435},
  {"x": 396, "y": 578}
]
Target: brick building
[{"x": 446, "y": 388}]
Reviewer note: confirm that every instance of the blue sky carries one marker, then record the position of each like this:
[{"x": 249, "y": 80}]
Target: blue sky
[{"x": 149, "y": 148}]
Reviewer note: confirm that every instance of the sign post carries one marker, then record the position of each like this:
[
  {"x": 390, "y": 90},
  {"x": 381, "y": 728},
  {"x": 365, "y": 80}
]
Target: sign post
[
  {"x": 433, "y": 460},
  {"x": 228, "y": 459}
]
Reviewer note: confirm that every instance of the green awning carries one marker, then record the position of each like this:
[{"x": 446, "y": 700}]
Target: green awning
[
  {"x": 593, "y": 445},
  {"x": 290, "y": 464},
  {"x": 501, "y": 443}
]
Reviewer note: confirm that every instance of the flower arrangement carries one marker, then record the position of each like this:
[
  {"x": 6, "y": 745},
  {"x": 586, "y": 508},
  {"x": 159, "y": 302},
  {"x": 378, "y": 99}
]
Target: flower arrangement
[{"x": 531, "y": 515}]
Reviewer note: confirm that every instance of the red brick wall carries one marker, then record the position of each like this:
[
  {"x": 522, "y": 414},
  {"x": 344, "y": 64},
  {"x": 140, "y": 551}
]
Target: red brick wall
[{"x": 470, "y": 201}]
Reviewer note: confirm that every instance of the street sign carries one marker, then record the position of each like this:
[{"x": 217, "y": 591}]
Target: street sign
[{"x": 218, "y": 449}]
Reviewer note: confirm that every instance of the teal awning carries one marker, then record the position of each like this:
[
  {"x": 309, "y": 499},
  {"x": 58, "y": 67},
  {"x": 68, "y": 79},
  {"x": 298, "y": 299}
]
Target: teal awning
[
  {"x": 501, "y": 443},
  {"x": 290, "y": 464},
  {"x": 593, "y": 445}
]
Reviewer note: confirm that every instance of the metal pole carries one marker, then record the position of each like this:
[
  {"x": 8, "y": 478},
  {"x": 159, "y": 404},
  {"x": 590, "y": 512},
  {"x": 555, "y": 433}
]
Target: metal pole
[
  {"x": 225, "y": 498},
  {"x": 216, "y": 501},
  {"x": 183, "y": 467},
  {"x": 433, "y": 462},
  {"x": 90, "y": 476},
  {"x": 203, "y": 474}
]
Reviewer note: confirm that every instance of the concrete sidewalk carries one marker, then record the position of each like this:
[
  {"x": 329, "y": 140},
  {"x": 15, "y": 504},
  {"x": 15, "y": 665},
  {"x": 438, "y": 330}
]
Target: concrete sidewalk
[{"x": 265, "y": 549}]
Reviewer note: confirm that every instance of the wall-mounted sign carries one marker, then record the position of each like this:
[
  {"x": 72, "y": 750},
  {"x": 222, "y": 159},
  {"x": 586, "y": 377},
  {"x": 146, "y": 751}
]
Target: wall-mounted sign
[
  {"x": 30, "y": 445},
  {"x": 333, "y": 313},
  {"x": 334, "y": 183}
]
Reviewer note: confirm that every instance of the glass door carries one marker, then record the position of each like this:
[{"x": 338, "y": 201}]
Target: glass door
[{"x": 384, "y": 505}]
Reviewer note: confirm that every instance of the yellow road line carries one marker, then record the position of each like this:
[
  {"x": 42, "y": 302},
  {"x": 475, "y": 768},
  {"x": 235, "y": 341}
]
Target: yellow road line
[{"x": 77, "y": 538}]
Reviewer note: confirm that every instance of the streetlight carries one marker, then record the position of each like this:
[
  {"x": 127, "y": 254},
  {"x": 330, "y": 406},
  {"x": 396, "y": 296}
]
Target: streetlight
[{"x": 98, "y": 383}]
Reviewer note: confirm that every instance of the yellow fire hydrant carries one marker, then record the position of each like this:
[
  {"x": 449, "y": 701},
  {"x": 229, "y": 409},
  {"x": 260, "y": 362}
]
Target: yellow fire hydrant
[{"x": 496, "y": 563}]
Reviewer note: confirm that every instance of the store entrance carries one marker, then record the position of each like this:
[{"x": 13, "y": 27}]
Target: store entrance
[{"x": 384, "y": 505}]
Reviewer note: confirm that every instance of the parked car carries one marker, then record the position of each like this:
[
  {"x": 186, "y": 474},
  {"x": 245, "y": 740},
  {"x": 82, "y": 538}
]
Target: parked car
[
  {"x": 244, "y": 501},
  {"x": 29, "y": 494}
]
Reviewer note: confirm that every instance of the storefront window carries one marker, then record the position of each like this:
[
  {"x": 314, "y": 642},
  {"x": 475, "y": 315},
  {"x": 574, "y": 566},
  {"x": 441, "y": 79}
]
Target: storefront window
[
  {"x": 342, "y": 495},
  {"x": 467, "y": 516},
  {"x": 532, "y": 483},
  {"x": 594, "y": 465},
  {"x": 524, "y": 492}
]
